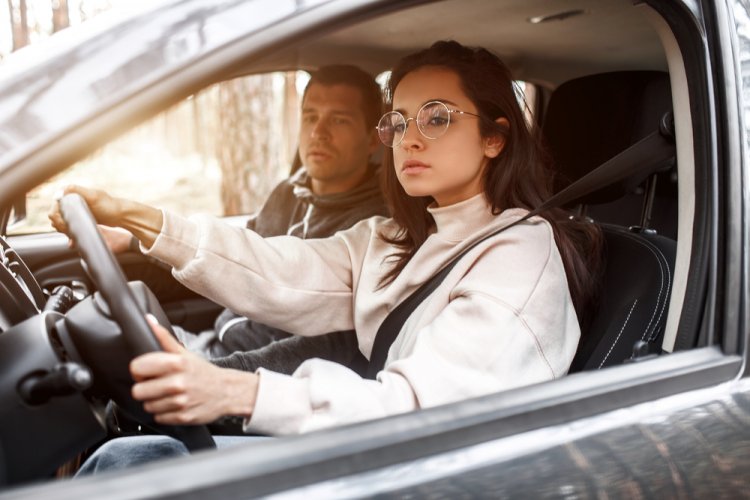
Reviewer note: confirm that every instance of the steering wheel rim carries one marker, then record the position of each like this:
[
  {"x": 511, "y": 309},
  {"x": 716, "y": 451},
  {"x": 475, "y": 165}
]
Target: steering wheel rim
[{"x": 109, "y": 279}]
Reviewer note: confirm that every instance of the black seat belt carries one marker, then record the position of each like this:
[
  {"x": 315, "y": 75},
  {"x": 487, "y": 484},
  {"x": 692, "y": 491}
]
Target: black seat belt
[{"x": 641, "y": 159}]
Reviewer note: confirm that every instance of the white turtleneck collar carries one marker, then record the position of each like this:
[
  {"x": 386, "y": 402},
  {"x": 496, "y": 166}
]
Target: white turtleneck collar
[{"x": 460, "y": 220}]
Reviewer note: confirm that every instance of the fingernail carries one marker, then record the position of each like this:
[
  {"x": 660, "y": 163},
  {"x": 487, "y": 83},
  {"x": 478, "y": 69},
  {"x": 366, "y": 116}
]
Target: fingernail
[{"x": 151, "y": 319}]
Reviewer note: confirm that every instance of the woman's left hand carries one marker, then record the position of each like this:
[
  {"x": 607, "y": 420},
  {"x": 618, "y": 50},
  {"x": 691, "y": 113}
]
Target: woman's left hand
[{"x": 179, "y": 387}]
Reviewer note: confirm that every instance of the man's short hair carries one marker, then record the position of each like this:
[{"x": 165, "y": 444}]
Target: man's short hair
[{"x": 347, "y": 74}]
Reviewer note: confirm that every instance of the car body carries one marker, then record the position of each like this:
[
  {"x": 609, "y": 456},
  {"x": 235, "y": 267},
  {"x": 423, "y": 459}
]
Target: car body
[{"x": 674, "y": 425}]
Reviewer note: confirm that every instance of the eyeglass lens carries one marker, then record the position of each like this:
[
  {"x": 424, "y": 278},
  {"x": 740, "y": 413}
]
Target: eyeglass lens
[{"x": 432, "y": 121}]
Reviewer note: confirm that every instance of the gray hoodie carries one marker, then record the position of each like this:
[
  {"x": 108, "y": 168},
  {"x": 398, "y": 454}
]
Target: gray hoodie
[{"x": 293, "y": 209}]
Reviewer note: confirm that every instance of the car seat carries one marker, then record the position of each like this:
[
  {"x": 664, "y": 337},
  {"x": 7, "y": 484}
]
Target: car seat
[{"x": 588, "y": 121}]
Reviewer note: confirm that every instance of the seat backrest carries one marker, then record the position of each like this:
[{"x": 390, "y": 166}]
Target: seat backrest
[
  {"x": 632, "y": 306},
  {"x": 588, "y": 121}
]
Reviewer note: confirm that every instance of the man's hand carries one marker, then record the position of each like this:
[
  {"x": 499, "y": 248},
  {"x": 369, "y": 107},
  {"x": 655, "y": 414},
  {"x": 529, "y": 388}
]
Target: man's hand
[
  {"x": 182, "y": 388},
  {"x": 117, "y": 239}
]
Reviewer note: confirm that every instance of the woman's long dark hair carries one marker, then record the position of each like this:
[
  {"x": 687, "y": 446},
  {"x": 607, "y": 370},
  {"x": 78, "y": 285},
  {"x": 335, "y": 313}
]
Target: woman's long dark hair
[{"x": 519, "y": 177}]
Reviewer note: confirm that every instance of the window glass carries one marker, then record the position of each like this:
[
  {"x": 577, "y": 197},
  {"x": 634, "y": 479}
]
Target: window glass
[{"x": 220, "y": 151}]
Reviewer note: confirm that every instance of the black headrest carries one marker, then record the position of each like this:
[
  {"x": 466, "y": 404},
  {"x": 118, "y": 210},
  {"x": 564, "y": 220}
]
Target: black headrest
[{"x": 593, "y": 118}]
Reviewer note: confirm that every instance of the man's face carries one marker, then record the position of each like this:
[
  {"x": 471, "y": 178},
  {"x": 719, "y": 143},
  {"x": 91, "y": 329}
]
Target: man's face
[{"x": 334, "y": 143}]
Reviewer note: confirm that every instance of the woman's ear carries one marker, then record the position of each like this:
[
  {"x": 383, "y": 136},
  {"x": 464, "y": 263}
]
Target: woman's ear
[{"x": 494, "y": 145}]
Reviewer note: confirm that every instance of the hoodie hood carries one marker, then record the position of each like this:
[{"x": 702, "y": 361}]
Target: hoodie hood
[{"x": 293, "y": 209}]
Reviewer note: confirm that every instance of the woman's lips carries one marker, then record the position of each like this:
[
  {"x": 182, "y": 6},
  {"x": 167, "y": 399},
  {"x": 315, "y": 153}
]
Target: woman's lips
[{"x": 413, "y": 167}]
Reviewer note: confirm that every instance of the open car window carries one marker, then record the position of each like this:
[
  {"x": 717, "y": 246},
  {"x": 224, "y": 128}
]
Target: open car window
[{"x": 186, "y": 159}]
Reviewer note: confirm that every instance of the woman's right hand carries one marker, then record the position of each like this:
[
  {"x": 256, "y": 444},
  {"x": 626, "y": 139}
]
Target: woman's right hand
[
  {"x": 106, "y": 209},
  {"x": 143, "y": 221}
]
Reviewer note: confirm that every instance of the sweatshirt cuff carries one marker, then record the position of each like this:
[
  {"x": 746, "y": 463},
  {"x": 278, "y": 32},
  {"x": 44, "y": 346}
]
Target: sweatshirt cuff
[
  {"x": 177, "y": 242},
  {"x": 281, "y": 406}
]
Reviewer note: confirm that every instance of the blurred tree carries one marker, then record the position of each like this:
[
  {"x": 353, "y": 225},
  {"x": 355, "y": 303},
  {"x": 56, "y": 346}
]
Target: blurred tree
[
  {"x": 290, "y": 117},
  {"x": 60, "y": 15},
  {"x": 246, "y": 150},
  {"x": 19, "y": 23}
]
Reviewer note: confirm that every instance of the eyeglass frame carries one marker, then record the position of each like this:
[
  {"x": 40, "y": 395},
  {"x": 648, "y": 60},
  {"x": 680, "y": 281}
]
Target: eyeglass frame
[{"x": 406, "y": 122}]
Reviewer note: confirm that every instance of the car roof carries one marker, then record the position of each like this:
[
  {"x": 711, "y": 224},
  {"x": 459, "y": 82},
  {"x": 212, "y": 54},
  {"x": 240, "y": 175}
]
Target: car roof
[{"x": 542, "y": 41}]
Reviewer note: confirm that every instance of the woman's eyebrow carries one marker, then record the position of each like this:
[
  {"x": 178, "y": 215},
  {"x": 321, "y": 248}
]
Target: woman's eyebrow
[{"x": 444, "y": 101}]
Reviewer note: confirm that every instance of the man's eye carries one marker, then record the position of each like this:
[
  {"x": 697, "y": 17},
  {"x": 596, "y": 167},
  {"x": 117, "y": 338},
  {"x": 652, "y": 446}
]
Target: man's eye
[
  {"x": 399, "y": 127},
  {"x": 309, "y": 119}
]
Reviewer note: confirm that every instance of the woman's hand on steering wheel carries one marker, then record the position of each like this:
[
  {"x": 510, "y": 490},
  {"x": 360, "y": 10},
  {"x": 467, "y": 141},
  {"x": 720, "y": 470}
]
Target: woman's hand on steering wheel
[
  {"x": 105, "y": 208},
  {"x": 143, "y": 221},
  {"x": 181, "y": 388}
]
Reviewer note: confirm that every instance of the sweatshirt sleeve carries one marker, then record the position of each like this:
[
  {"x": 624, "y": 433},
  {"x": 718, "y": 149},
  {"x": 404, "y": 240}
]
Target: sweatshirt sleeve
[
  {"x": 477, "y": 345},
  {"x": 284, "y": 282},
  {"x": 286, "y": 355}
]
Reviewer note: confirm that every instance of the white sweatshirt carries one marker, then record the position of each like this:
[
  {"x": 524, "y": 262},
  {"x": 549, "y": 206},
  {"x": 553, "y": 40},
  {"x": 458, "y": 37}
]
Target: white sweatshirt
[{"x": 502, "y": 318}]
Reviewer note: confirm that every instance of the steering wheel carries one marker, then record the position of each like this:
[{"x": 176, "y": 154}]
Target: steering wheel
[
  {"x": 20, "y": 295},
  {"x": 112, "y": 285}
]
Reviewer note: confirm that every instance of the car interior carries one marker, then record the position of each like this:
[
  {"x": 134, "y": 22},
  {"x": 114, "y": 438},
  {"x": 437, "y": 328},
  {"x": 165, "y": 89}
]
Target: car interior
[{"x": 610, "y": 88}]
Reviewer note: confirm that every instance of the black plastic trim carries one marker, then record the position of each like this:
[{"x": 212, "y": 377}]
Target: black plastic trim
[{"x": 730, "y": 120}]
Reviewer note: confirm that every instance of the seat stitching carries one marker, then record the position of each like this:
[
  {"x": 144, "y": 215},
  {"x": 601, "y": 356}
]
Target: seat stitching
[
  {"x": 661, "y": 284},
  {"x": 618, "y": 335},
  {"x": 651, "y": 248},
  {"x": 652, "y": 337}
]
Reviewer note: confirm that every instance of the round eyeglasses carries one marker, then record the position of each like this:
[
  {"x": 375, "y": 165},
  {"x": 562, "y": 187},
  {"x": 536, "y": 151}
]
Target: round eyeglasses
[{"x": 433, "y": 119}]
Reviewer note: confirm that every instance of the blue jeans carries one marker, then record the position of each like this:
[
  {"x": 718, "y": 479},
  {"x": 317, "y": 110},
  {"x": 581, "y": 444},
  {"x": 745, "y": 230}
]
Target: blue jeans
[{"x": 125, "y": 452}]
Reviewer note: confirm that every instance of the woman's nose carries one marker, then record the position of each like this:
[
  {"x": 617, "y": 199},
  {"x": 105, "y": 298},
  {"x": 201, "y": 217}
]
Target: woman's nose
[{"x": 412, "y": 137}]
